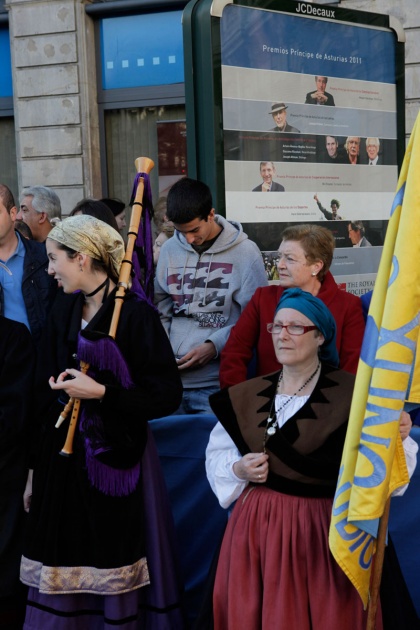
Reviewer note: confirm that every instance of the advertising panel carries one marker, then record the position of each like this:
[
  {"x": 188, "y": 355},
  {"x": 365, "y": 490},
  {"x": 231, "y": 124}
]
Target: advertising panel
[{"x": 309, "y": 115}]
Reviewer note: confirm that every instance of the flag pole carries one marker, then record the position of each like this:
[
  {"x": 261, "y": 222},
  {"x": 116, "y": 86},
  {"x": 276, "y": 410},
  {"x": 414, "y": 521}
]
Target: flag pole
[{"x": 377, "y": 567}]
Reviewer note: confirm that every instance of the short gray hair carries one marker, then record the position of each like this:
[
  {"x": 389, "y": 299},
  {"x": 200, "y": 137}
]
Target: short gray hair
[
  {"x": 43, "y": 200},
  {"x": 348, "y": 140},
  {"x": 374, "y": 141}
]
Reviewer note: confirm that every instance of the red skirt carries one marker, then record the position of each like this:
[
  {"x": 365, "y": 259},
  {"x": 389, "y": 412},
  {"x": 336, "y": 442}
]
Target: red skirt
[{"x": 276, "y": 570}]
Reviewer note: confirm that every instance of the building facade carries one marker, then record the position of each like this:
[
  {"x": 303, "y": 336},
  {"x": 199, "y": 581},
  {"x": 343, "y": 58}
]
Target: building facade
[
  {"x": 408, "y": 13},
  {"x": 86, "y": 87}
]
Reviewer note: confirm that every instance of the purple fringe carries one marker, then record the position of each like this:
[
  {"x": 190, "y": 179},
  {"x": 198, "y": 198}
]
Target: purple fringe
[
  {"x": 143, "y": 251},
  {"x": 105, "y": 354},
  {"x": 115, "y": 482}
]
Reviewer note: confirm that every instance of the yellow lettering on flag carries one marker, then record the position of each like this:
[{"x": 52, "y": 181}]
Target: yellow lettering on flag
[{"x": 373, "y": 462}]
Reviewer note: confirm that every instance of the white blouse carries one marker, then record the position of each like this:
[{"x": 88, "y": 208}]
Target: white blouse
[{"x": 221, "y": 454}]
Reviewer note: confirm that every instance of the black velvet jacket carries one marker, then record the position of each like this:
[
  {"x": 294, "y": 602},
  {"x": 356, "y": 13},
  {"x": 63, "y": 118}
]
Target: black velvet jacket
[
  {"x": 17, "y": 362},
  {"x": 71, "y": 523}
]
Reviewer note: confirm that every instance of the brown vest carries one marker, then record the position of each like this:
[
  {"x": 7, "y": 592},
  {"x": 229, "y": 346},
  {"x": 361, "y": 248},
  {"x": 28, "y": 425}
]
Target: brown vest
[{"x": 304, "y": 454}]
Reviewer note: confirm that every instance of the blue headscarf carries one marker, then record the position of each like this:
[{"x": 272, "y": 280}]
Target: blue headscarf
[{"x": 320, "y": 316}]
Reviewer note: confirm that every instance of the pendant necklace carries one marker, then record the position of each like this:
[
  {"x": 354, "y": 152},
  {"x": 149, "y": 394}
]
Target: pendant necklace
[{"x": 272, "y": 425}]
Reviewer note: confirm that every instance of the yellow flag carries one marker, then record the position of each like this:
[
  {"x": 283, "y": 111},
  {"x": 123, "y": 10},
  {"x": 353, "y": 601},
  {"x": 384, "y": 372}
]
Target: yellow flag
[{"x": 373, "y": 463}]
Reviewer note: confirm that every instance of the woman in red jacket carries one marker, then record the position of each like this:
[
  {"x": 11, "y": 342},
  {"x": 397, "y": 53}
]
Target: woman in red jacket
[{"x": 305, "y": 256}]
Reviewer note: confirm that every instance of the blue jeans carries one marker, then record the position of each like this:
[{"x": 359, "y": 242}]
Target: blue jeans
[{"x": 196, "y": 400}]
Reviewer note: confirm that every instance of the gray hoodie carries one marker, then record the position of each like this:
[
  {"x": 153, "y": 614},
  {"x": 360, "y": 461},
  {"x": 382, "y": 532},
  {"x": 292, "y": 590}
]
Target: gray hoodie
[{"x": 200, "y": 298}]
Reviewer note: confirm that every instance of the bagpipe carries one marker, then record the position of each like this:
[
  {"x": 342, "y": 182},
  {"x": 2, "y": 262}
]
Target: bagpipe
[{"x": 103, "y": 347}]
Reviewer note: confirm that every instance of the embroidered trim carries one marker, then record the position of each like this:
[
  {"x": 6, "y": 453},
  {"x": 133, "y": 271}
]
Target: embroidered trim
[{"x": 69, "y": 580}]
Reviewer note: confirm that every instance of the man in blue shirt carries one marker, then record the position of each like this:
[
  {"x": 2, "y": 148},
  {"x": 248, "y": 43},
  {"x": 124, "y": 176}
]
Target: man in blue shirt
[{"x": 26, "y": 290}]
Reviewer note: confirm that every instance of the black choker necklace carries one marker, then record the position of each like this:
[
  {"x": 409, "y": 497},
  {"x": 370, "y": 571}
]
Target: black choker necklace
[
  {"x": 271, "y": 426},
  {"x": 105, "y": 284}
]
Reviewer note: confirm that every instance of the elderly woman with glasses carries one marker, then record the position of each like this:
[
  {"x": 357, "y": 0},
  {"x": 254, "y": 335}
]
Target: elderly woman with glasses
[
  {"x": 305, "y": 256},
  {"x": 276, "y": 450}
]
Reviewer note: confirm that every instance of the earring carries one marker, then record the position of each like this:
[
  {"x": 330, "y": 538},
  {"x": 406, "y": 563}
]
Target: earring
[
  {"x": 313, "y": 273},
  {"x": 80, "y": 266}
]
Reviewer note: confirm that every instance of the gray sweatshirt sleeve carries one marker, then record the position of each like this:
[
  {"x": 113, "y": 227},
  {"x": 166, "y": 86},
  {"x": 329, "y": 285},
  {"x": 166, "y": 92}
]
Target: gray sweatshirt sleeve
[
  {"x": 163, "y": 300},
  {"x": 254, "y": 278}
]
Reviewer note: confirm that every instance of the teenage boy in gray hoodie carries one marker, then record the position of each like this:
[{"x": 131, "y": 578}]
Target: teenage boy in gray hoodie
[{"x": 206, "y": 274}]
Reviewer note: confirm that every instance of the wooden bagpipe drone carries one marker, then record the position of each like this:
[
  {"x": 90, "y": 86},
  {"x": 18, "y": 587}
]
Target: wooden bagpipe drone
[{"x": 138, "y": 239}]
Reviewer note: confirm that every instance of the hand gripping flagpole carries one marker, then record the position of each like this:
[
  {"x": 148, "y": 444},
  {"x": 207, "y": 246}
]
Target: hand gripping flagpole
[{"x": 143, "y": 165}]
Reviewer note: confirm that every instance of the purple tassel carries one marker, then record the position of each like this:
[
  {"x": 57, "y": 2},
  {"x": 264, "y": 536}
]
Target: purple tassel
[
  {"x": 116, "y": 482},
  {"x": 143, "y": 251},
  {"x": 103, "y": 353}
]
